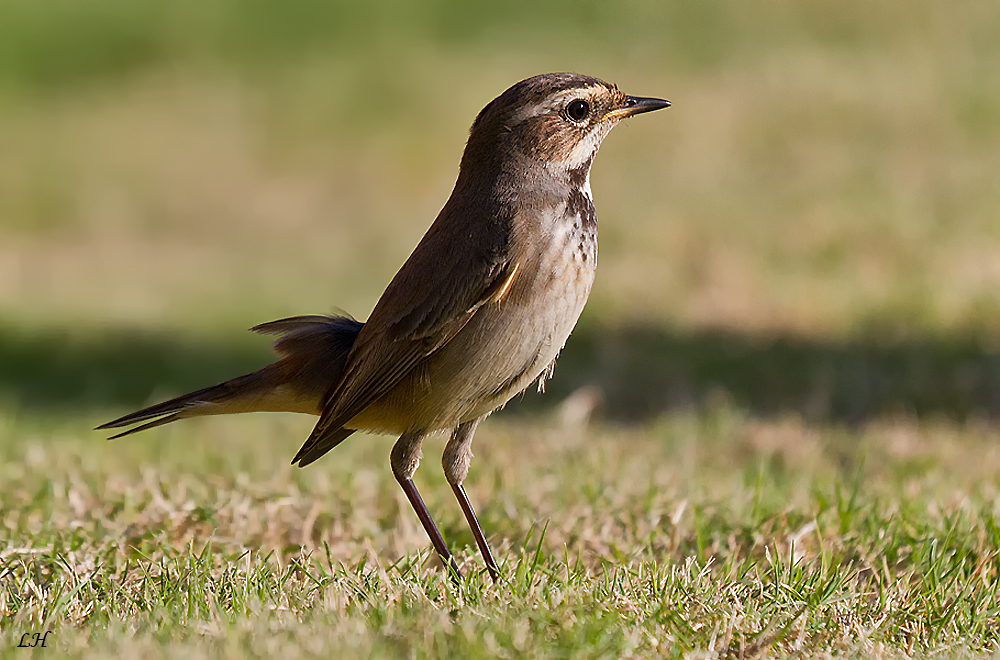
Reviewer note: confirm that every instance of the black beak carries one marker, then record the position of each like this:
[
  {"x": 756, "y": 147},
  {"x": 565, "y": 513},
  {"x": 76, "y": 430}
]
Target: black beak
[{"x": 635, "y": 105}]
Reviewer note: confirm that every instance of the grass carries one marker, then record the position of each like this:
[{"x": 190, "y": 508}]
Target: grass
[
  {"x": 713, "y": 533},
  {"x": 772, "y": 435}
]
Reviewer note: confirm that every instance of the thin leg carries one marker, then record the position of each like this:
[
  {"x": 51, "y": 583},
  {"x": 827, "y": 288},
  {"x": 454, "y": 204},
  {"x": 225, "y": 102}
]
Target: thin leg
[
  {"x": 405, "y": 458},
  {"x": 456, "y": 460},
  {"x": 432, "y": 531},
  {"x": 484, "y": 547}
]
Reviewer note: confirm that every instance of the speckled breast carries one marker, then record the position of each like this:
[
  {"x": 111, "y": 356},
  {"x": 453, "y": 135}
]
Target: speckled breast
[{"x": 532, "y": 325}]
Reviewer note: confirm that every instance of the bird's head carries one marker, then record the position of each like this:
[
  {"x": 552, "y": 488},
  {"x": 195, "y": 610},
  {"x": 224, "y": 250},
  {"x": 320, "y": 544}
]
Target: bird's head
[{"x": 554, "y": 121}]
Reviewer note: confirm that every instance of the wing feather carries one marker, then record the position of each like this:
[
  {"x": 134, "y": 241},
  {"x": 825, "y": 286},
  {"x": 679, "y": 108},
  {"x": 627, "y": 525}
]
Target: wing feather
[{"x": 451, "y": 274}]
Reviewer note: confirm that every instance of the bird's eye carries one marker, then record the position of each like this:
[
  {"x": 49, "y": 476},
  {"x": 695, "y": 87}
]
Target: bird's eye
[{"x": 578, "y": 110}]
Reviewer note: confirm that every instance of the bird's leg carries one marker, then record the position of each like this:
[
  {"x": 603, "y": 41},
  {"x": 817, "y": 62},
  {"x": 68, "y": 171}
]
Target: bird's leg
[
  {"x": 456, "y": 459},
  {"x": 405, "y": 458}
]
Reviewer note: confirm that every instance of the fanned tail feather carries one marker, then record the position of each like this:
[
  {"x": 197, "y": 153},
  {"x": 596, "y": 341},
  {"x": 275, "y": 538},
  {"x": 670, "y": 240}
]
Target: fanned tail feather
[{"x": 312, "y": 351}]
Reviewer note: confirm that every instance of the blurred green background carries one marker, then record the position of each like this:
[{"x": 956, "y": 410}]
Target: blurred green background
[{"x": 811, "y": 230}]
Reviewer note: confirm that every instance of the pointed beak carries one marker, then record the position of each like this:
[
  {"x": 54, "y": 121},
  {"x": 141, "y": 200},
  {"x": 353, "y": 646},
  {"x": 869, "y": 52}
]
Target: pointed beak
[{"x": 635, "y": 105}]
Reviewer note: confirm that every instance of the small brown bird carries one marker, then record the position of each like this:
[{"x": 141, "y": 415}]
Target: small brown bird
[{"x": 476, "y": 314}]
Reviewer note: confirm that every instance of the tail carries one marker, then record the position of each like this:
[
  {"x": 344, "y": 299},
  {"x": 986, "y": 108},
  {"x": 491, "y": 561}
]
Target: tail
[{"x": 312, "y": 351}]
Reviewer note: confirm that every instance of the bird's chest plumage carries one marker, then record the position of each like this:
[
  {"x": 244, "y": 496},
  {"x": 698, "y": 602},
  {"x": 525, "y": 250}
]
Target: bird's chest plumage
[
  {"x": 511, "y": 340},
  {"x": 557, "y": 261},
  {"x": 566, "y": 252}
]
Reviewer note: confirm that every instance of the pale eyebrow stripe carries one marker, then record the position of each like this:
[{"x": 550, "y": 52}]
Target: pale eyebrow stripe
[{"x": 551, "y": 102}]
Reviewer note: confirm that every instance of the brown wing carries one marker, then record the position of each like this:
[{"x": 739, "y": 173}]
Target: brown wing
[{"x": 452, "y": 272}]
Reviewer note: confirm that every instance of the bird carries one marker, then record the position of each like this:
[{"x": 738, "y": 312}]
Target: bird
[{"x": 477, "y": 313}]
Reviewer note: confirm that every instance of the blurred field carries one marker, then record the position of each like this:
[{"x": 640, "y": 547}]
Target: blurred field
[{"x": 794, "y": 338}]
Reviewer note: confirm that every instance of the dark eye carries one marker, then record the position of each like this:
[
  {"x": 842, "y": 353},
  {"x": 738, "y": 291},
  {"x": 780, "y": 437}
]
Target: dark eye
[{"x": 577, "y": 110}]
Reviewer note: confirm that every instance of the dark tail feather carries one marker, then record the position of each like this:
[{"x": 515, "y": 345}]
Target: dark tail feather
[
  {"x": 143, "y": 427},
  {"x": 236, "y": 395},
  {"x": 312, "y": 352},
  {"x": 342, "y": 325}
]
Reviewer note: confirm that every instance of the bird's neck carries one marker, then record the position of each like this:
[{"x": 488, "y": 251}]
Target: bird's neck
[{"x": 506, "y": 187}]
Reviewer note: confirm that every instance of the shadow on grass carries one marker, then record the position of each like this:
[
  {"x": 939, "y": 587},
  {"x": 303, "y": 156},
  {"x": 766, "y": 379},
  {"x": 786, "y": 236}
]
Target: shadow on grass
[
  {"x": 119, "y": 369},
  {"x": 641, "y": 371}
]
